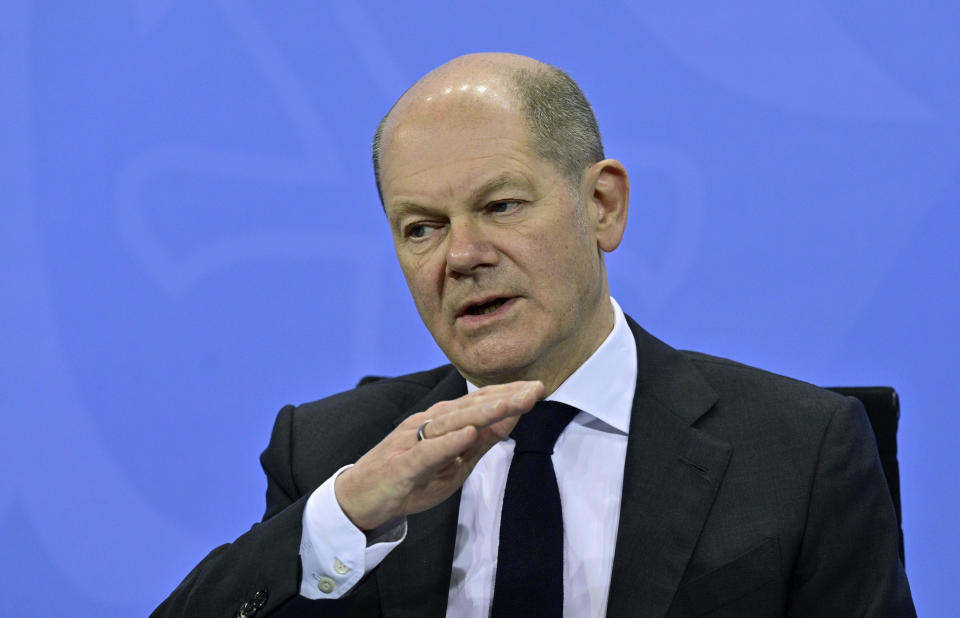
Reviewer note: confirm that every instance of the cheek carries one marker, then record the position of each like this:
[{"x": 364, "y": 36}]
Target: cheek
[
  {"x": 422, "y": 283},
  {"x": 568, "y": 271},
  {"x": 554, "y": 254}
]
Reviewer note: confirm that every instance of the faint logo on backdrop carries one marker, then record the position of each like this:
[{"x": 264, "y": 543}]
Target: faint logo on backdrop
[
  {"x": 791, "y": 55},
  {"x": 317, "y": 163},
  {"x": 73, "y": 480},
  {"x": 177, "y": 270}
]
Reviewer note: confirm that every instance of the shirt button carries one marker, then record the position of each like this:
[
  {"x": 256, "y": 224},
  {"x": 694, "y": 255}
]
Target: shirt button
[
  {"x": 340, "y": 567},
  {"x": 325, "y": 584},
  {"x": 260, "y": 598}
]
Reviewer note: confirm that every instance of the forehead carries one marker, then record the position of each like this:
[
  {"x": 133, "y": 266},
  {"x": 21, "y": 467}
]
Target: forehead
[{"x": 444, "y": 152}]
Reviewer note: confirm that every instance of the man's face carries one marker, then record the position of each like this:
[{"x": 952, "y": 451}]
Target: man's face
[{"x": 498, "y": 250}]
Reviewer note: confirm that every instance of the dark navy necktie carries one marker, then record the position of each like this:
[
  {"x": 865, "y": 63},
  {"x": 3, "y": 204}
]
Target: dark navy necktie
[{"x": 530, "y": 558}]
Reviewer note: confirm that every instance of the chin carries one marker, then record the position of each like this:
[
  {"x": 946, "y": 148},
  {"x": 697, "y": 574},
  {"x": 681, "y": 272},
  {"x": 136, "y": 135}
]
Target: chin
[{"x": 495, "y": 364}]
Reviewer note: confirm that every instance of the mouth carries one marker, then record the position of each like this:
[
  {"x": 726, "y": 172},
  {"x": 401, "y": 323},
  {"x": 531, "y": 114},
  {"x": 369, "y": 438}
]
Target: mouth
[{"x": 484, "y": 307}]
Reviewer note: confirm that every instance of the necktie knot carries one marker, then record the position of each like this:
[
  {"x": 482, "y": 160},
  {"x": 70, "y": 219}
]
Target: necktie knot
[{"x": 537, "y": 430}]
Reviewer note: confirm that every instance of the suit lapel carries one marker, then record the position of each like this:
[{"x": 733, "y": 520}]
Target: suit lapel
[
  {"x": 671, "y": 477},
  {"x": 415, "y": 578}
]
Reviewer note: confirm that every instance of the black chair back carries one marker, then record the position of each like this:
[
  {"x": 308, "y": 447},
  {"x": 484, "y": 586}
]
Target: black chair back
[{"x": 883, "y": 409}]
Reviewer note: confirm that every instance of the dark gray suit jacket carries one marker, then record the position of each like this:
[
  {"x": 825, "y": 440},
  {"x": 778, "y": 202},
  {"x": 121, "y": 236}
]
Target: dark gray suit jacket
[{"x": 745, "y": 494}]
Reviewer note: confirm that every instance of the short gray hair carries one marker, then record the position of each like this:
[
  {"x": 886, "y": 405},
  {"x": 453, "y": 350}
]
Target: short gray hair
[{"x": 563, "y": 127}]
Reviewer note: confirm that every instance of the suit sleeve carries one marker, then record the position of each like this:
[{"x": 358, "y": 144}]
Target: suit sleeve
[
  {"x": 849, "y": 562},
  {"x": 259, "y": 571}
]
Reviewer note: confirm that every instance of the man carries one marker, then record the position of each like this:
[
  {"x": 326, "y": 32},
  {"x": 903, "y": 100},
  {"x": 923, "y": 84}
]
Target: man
[{"x": 688, "y": 484}]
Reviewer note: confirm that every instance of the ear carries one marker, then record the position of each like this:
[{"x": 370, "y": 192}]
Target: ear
[{"x": 607, "y": 189}]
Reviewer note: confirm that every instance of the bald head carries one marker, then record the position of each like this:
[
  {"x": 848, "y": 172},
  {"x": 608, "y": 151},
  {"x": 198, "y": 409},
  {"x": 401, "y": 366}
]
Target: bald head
[{"x": 562, "y": 128}]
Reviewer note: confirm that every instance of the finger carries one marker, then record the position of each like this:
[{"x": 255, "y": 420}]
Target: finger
[
  {"x": 481, "y": 396},
  {"x": 481, "y": 412},
  {"x": 436, "y": 453},
  {"x": 487, "y": 437}
]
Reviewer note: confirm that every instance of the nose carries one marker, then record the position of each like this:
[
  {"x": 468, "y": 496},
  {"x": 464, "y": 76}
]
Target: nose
[{"x": 469, "y": 248}]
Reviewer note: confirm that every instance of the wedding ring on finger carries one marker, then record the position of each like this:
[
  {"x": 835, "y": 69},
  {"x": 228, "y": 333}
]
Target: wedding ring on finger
[{"x": 420, "y": 435}]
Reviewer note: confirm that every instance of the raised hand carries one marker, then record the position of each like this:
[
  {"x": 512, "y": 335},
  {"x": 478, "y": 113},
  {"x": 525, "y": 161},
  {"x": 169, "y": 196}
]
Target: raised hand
[{"x": 403, "y": 475}]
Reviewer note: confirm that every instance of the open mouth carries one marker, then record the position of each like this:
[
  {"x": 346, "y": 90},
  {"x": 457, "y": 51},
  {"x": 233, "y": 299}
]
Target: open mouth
[{"x": 485, "y": 308}]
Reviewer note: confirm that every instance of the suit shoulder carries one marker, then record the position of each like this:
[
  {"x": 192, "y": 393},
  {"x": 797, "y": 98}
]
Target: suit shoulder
[
  {"x": 763, "y": 412},
  {"x": 316, "y": 438},
  {"x": 381, "y": 397},
  {"x": 736, "y": 381}
]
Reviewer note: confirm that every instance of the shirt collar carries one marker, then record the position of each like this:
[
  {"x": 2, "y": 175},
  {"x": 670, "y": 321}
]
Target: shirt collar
[{"x": 603, "y": 385}]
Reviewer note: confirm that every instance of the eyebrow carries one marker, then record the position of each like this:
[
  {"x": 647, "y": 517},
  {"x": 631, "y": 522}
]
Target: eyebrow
[
  {"x": 496, "y": 183},
  {"x": 404, "y": 209}
]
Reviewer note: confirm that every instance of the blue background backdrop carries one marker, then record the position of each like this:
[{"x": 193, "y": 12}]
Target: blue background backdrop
[{"x": 190, "y": 238}]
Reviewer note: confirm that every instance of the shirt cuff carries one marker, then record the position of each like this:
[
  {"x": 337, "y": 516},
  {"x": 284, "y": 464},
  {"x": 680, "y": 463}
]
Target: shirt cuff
[{"x": 334, "y": 553}]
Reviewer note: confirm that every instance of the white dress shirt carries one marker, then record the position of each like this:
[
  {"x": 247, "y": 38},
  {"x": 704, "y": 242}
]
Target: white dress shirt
[{"x": 588, "y": 459}]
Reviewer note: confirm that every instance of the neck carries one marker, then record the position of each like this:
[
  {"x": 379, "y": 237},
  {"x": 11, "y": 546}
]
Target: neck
[
  {"x": 600, "y": 328},
  {"x": 558, "y": 364}
]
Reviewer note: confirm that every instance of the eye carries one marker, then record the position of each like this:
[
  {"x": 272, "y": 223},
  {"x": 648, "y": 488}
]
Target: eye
[
  {"x": 418, "y": 231},
  {"x": 503, "y": 206}
]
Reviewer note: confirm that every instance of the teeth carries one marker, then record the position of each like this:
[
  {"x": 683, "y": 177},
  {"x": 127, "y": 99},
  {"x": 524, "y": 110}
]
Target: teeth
[{"x": 485, "y": 309}]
